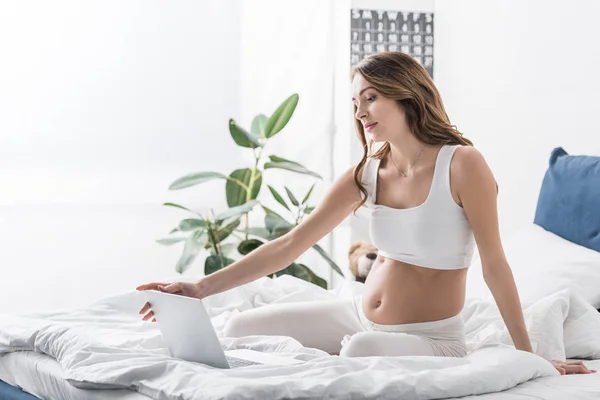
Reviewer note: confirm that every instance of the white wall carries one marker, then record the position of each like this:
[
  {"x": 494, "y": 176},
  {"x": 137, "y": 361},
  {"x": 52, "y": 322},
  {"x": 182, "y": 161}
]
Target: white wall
[
  {"x": 519, "y": 78},
  {"x": 100, "y": 100},
  {"x": 102, "y": 106}
]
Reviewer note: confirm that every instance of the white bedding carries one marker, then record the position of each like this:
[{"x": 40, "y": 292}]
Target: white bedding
[
  {"x": 42, "y": 376},
  {"x": 106, "y": 345}
]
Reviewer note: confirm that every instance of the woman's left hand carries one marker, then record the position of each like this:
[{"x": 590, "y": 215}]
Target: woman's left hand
[{"x": 571, "y": 367}]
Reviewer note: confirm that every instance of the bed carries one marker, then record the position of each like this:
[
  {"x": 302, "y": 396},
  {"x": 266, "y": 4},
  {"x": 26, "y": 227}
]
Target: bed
[
  {"x": 103, "y": 350},
  {"x": 41, "y": 377}
]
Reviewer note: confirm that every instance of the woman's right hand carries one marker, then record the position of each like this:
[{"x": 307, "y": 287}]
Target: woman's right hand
[{"x": 188, "y": 289}]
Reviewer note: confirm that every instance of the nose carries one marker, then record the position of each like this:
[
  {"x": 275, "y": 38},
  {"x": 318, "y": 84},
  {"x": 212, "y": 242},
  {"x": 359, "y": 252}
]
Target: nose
[
  {"x": 360, "y": 113},
  {"x": 371, "y": 256}
]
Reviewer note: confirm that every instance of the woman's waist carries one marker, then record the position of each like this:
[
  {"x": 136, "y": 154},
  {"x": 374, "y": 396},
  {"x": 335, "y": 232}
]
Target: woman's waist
[
  {"x": 397, "y": 295},
  {"x": 393, "y": 309}
]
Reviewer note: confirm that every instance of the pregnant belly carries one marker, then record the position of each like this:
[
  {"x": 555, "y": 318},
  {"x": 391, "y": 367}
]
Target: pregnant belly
[{"x": 400, "y": 293}]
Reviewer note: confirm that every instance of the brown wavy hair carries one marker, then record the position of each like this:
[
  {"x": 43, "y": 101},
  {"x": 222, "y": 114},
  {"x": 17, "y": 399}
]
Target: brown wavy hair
[{"x": 400, "y": 77}]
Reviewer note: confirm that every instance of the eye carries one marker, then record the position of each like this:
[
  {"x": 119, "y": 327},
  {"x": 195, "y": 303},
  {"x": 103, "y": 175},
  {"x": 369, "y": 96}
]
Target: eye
[{"x": 371, "y": 99}]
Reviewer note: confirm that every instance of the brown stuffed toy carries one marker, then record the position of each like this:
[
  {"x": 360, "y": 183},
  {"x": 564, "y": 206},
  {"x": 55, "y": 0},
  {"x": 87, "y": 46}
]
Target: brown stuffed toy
[{"x": 361, "y": 257}]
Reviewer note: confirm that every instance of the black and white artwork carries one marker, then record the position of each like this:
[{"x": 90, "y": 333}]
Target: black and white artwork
[{"x": 374, "y": 31}]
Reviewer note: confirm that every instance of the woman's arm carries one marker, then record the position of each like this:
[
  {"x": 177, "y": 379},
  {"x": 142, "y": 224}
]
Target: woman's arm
[
  {"x": 477, "y": 190},
  {"x": 279, "y": 253}
]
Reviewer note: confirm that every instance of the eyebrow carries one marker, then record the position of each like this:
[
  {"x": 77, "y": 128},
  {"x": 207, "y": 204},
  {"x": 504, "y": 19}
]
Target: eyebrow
[{"x": 361, "y": 92}]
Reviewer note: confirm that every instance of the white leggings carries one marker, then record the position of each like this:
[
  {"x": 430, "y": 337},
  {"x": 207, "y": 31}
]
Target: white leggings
[{"x": 341, "y": 327}]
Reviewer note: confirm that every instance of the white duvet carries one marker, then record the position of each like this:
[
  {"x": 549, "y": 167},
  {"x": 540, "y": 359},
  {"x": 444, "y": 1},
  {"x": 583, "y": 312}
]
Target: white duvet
[{"x": 106, "y": 345}]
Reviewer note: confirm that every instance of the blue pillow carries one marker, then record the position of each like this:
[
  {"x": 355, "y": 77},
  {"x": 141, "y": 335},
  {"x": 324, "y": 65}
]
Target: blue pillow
[{"x": 569, "y": 201}]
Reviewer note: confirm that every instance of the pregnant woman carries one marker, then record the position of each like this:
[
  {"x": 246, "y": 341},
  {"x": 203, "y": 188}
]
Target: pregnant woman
[{"x": 431, "y": 196}]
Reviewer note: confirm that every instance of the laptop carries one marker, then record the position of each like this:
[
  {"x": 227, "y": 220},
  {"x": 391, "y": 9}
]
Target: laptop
[{"x": 190, "y": 335}]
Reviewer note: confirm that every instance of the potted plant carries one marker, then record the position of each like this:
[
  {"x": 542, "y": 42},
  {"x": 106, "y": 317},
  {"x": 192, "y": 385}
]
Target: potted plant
[{"x": 220, "y": 234}]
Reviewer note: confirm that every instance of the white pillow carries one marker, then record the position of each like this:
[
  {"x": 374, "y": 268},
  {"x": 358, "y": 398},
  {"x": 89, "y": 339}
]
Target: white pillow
[{"x": 542, "y": 263}]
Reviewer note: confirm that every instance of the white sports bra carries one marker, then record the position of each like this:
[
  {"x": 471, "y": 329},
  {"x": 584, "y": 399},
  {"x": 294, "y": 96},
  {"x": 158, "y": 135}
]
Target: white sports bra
[{"x": 435, "y": 234}]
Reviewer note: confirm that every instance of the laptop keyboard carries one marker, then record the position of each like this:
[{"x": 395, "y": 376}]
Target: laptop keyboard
[{"x": 235, "y": 362}]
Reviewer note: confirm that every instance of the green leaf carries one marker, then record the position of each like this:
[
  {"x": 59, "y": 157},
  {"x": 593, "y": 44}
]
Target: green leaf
[
  {"x": 278, "y": 197},
  {"x": 236, "y": 194},
  {"x": 192, "y": 247},
  {"x": 194, "y": 179},
  {"x": 176, "y": 206},
  {"x": 228, "y": 229},
  {"x": 329, "y": 260},
  {"x": 249, "y": 245},
  {"x": 314, "y": 278},
  {"x": 273, "y": 222},
  {"x": 226, "y": 249},
  {"x": 229, "y": 221},
  {"x": 269, "y": 211},
  {"x": 257, "y": 231},
  {"x": 174, "y": 230},
  {"x": 170, "y": 241},
  {"x": 236, "y": 211},
  {"x": 258, "y": 126},
  {"x": 213, "y": 263},
  {"x": 292, "y": 197},
  {"x": 301, "y": 271},
  {"x": 282, "y": 163},
  {"x": 308, "y": 194},
  {"x": 281, "y": 116},
  {"x": 242, "y": 137},
  {"x": 223, "y": 233},
  {"x": 308, "y": 210},
  {"x": 277, "y": 226},
  {"x": 191, "y": 224}
]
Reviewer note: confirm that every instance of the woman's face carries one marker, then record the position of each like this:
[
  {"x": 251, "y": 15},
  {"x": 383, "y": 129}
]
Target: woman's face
[{"x": 380, "y": 116}]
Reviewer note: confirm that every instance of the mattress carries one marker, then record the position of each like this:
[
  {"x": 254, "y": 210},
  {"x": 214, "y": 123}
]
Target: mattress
[
  {"x": 41, "y": 376},
  {"x": 8, "y": 392}
]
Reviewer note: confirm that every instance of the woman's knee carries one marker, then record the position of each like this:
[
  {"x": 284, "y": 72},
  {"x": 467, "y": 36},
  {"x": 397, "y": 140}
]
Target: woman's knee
[
  {"x": 375, "y": 343},
  {"x": 258, "y": 321},
  {"x": 239, "y": 325}
]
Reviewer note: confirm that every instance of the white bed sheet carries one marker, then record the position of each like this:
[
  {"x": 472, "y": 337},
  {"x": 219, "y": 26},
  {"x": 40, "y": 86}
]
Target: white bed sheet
[
  {"x": 42, "y": 376},
  {"x": 566, "y": 387}
]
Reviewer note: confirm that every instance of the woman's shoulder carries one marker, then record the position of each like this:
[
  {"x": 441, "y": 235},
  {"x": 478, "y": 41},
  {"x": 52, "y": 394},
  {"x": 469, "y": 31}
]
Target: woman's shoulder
[
  {"x": 469, "y": 167},
  {"x": 467, "y": 157}
]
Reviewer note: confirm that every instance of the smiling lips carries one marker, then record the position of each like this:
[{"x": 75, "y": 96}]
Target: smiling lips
[{"x": 370, "y": 126}]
